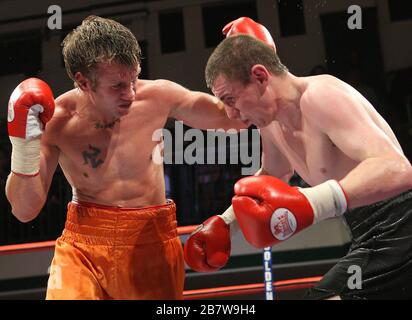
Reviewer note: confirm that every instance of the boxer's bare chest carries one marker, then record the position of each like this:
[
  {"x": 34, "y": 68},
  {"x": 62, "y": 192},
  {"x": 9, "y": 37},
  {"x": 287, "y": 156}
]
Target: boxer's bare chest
[
  {"x": 310, "y": 152},
  {"x": 107, "y": 151}
]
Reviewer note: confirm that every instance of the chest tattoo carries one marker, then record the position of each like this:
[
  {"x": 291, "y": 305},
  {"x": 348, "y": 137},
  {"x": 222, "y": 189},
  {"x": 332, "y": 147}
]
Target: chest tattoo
[{"x": 91, "y": 157}]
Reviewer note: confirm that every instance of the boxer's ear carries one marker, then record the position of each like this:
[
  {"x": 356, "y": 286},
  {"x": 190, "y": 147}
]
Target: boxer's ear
[
  {"x": 139, "y": 70},
  {"x": 82, "y": 82},
  {"x": 259, "y": 73}
]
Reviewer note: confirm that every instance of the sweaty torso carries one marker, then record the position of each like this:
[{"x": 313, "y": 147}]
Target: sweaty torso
[
  {"x": 111, "y": 164},
  {"x": 310, "y": 152}
]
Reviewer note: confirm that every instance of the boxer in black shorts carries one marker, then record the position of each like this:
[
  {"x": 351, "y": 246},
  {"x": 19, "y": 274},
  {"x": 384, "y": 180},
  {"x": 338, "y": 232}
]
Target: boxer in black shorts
[
  {"x": 327, "y": 132},
  {"x": 381, "y": 247}
]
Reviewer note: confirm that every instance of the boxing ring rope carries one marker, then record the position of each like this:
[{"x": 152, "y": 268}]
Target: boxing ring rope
[
  {"x": 186, "y": 229},
  {"x": 49, "y": 245},
  {"x": 246, "y": 289},
  {"x": 211, "y": 293},
  {"x": 27, "y": 247}
]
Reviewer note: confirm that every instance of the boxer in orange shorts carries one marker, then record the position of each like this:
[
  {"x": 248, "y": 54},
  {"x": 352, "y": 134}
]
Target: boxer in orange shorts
[
  {"x": 101, "y": 134},
  {"x": 99, "y": 255}
]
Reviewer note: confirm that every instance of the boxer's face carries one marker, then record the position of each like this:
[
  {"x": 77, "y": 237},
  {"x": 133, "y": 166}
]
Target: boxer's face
[
  {"x": 115, "y": 88},
  {"x": 247, "y": 103}
]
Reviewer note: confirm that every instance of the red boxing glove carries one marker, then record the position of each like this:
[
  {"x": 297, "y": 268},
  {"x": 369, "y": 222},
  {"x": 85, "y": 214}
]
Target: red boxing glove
[
  {"x": 250, "y": 27},
  {"x": 208, "y": 247},
  {"x": 31, "y": 106},
  {"x": 269, "y": 211},
  {"x": 31, "y": 98}
]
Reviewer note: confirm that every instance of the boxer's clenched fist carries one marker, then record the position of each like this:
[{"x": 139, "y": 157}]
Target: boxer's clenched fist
[
  {"x": 269, "y": 211},
  {"x": 31, "y": 106},
  {"x": 250, "y": 27},
  {"x": 208, "y": 247}
]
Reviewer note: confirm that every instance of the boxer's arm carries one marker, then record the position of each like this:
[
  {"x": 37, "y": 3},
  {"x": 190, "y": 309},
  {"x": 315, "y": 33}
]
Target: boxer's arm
[
  {"x": 383, "y": 171},
  {"x": 199, "y": 110},
  {"x": 27, "y": 194},
  {"x": 274, "y": 163}
]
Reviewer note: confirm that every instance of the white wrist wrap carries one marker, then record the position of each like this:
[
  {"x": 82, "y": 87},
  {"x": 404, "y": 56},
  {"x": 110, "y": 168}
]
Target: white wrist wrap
[
  {"x": 229, "y": 218},
  {"x": 327, "y": 199},
  {"x": 25, "y": 156}
]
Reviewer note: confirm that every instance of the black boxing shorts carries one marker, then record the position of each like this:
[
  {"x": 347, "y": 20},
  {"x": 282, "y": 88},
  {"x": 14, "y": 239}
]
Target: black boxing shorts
[{"x": 380, "y": 255}]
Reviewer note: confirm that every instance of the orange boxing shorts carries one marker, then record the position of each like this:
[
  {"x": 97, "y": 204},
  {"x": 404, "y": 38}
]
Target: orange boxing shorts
[{"x": 112, "y": 253}]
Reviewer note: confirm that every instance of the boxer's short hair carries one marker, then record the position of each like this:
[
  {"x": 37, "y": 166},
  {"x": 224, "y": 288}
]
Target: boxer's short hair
[
  {"x": 236, "y": 55},
  {"x": 99, "y": 40}
]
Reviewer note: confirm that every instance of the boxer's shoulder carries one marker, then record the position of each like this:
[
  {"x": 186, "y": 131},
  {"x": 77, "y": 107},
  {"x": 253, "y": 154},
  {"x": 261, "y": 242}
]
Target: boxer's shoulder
[
  {"x": 64, "y": 111},
  {"x": 160, "y": 92},
  {"x": 318, "y": 91},
  {"x": 321, "y": 79},
  {"x": 65, "y": 106},
  {"x": 148, "y": 89},
  {"x": 157, "y": 86}
]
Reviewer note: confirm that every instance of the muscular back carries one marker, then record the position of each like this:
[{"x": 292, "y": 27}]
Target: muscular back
[{"x": 111, "y": 163}]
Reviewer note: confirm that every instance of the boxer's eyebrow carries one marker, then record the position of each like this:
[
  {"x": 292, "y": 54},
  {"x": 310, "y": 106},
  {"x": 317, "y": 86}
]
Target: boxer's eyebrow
[
  {"x": 119, "y": 84},
  {"x": 224, "y": 97}
]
